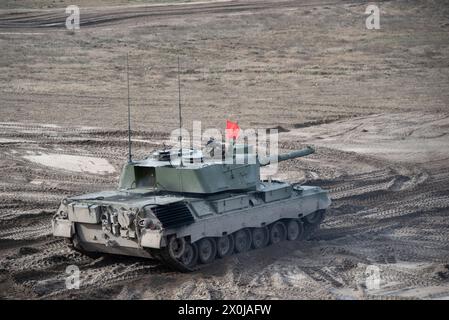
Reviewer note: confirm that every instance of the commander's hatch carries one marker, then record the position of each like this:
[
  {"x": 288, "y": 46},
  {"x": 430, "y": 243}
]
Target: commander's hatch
[{"x": 173, "y": 156}]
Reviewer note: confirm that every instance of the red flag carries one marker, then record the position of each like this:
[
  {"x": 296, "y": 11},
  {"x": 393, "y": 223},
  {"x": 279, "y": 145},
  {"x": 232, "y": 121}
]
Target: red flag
[{"x": 232, "y": 130}]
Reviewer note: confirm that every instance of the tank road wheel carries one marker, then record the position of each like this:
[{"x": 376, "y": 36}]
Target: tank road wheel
[
  {"x": 225, "y": 246},
  {"x": 302, "y": 230},
  {"x": 207, "y": 250},
  {"x": 242, "y": 239},
  {"x": 176, "y": 247},
  {"x": 190, "y": 256},
  {"x": 278, "y": 232},
  {"x": 295, "y": 229},
  {"x": 261, "y": 237}
]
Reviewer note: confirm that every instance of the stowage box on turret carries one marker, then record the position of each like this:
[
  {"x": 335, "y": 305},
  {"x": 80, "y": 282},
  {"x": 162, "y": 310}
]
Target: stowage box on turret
[{"x": 191, "y": 211}]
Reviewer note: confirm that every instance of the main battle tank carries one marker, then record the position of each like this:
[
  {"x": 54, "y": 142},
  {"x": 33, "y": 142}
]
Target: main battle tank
[{"x": 192, "y": 210}]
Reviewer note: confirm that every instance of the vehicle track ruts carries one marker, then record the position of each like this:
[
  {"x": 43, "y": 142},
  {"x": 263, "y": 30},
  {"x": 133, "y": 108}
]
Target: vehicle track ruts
[
  {"x": 47, "y": 256},
  {"x": 56, "y": 18},
  {"x": 112, "y": 273},
  {"x": 33, "y": 130},
  {"x": 37, "y": 231}
]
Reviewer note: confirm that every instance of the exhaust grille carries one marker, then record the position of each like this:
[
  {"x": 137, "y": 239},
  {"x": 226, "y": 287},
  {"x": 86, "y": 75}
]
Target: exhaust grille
[{"x": 173, "y": 215}]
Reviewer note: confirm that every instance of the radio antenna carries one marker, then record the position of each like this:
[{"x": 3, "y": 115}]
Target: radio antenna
[
  {"x": 129, "y": 112},
  {"x": 180, "y": 114}
]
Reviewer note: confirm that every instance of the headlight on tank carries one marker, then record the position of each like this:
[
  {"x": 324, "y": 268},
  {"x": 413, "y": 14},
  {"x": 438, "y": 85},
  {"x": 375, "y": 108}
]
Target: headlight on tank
[
  {"x": 152, "y": 224},
  {"x": 150, "y": 221}
]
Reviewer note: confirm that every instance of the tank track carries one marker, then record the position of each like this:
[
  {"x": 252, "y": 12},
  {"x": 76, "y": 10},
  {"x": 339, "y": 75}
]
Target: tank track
[
  {"x": 168, "y": 260},
  {"x": 175, "y": 264}
]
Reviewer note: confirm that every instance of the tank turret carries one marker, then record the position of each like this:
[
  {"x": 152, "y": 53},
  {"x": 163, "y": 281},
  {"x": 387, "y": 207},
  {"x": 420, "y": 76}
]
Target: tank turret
[{"x": 190, "y": 172}]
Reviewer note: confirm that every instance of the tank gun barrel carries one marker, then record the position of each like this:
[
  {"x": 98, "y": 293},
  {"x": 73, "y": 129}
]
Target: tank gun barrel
[{"x": 287, "y": 156}]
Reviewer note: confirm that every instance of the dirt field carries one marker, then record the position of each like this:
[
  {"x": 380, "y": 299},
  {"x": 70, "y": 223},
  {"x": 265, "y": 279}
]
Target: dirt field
[{"x": 374, "y": 103}]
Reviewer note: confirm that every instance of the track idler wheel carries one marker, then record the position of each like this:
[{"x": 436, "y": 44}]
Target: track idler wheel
[
  {"x": 315, "y": 218},
  {"x": 312, "y": 222}
]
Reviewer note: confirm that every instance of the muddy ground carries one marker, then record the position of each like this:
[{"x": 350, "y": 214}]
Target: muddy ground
[{"x": 374, "y": 103}]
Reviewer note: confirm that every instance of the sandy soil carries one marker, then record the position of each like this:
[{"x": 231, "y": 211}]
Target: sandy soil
[
  {"x": 72, "y": 163},
  {"x": 373, "y": 103}
]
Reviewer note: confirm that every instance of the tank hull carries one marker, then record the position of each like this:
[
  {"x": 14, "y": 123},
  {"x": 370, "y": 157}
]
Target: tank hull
[{"x": 97, "y": 222}]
